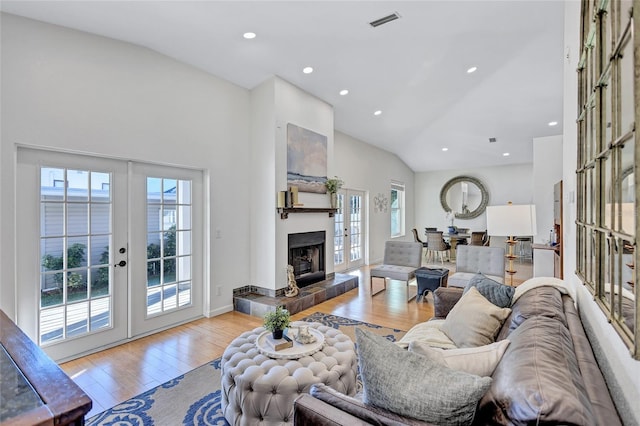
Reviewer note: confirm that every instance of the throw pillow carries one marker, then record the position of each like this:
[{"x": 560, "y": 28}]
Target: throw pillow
[
  {"x": 495, "y": 292},
  {"x": 429, "y": 332},
  {"x": 480, "y": 361},
  {"x": 474, "y": 321},
  {"x": 414, "y": 386}
]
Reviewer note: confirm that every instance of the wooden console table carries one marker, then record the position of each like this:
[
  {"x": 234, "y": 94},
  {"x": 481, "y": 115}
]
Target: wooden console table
[{"x": 34, "y": 390}]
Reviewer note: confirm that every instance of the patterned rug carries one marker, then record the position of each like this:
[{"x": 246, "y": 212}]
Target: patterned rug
[{"x": 194, "y": 398}]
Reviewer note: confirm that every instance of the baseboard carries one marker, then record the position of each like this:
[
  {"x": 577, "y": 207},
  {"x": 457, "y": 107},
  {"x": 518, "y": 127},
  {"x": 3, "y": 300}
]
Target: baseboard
[{"x": 219, "y": 311}]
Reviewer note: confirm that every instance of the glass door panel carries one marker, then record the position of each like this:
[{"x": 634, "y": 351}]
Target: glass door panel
[
  {"x": 168, "y": 244},
  {"x": 69, "y": 255},
  {"x": 349, "y": 230},
  {"x": 166, "y": 232}
]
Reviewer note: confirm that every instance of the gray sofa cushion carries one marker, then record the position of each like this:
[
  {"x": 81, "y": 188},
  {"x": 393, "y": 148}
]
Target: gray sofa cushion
[
  {"x": 414, "y": 386},
  {"x": 538, "y": 380},
  {"x": 496, "y": 293},
  {"x": 544, "y": 301}
]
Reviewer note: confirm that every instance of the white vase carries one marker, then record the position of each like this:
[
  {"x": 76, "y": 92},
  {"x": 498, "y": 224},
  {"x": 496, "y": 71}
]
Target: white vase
[{"x": 333, "y": 200}]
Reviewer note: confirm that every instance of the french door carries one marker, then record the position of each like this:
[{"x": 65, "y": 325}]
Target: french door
[
  {"x": 349, "y": 230},
  {"x": 89, "y": 272}
]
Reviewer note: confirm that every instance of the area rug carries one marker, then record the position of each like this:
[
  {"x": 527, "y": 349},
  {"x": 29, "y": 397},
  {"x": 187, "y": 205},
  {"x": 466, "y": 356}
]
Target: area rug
[{"x": 194, "y": 398}]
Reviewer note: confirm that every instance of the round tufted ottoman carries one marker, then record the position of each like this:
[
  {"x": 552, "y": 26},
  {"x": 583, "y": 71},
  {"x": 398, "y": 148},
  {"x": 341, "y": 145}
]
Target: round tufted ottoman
[{"x": 258, "y": 389}]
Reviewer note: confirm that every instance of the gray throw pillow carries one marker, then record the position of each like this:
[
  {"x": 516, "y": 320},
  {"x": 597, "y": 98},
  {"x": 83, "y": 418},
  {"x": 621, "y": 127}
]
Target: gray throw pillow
[
  {"x": 414, "y": 386},
  {"x": 495, "y": 292}
]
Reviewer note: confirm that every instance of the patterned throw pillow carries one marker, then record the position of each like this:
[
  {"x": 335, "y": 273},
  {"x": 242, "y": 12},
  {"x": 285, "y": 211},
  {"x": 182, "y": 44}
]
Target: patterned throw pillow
[
  {"x": 495, "y": 292},
  {"x": 414, "y": 386}
]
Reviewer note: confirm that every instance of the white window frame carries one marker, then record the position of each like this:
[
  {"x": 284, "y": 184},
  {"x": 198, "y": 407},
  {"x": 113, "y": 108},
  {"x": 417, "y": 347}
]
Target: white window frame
[{"x": 398, "y": 211}]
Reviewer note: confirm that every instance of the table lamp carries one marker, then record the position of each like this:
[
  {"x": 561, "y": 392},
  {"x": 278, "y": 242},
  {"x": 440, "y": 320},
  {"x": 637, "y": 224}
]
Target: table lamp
[{"x": 511, "y": 221}]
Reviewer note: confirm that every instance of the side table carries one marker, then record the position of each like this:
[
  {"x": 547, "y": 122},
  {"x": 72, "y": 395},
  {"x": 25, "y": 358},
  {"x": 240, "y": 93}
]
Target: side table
[
  {"x": 429, "y": 279},
  {"x": 258, "y": 388}
]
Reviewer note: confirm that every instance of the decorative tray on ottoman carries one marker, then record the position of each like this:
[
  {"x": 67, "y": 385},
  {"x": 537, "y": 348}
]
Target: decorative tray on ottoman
[{"x": 298, "y": 350}]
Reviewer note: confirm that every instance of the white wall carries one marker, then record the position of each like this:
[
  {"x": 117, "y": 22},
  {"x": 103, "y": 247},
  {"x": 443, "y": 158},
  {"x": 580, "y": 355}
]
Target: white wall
[
  {"x": 72, "y": 91},
  {"x": 370, "y": 169},
  {"x": 613, "y": 355},
  {"x": 547, "y": 171},
  {"x": 504, "y": 183},
  {"x": 275, "y": 103}
]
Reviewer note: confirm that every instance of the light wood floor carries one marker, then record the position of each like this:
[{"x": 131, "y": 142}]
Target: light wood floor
[{"x": 115, "y": 375}]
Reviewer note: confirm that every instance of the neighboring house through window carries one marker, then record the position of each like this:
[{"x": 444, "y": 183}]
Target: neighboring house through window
[{"x": 397, "y": 209}]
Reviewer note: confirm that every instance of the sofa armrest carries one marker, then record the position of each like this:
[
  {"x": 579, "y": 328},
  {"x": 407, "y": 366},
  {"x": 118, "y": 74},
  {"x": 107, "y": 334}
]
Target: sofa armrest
[
  {"x": 443, "y": 300},
  {"x": 310, "y": 411},
  {"x": 336, "y": 404}
]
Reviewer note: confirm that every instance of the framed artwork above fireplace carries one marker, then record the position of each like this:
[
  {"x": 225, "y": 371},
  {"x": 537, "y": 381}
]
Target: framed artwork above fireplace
[{"x": 306, "y": 159}]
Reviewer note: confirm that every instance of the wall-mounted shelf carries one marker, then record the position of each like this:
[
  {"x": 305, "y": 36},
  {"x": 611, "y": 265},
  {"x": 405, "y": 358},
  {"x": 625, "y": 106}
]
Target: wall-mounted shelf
[{"x": 284, "y": 211}]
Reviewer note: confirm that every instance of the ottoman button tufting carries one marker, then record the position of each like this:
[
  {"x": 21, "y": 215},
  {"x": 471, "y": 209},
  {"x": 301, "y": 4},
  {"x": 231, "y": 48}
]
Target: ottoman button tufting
[{"x": 287, "y": 378}]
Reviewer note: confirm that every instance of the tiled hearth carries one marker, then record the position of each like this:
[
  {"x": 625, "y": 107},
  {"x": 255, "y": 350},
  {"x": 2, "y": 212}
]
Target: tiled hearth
[{"x": 256, "y": 301}]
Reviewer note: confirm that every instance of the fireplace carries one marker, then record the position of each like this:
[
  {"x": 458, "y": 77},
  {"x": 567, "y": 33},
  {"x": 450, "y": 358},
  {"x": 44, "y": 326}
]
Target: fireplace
[{"x": 306, "y": 255}]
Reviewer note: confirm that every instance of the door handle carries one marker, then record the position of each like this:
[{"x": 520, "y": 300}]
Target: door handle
[{"x": 121, "y": 263}]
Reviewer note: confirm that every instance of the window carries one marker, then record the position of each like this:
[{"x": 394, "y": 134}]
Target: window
[
  {"x": 607, "y": 158},
  {"x": 397, "y": 209}
]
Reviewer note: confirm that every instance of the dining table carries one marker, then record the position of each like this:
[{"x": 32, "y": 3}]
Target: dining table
[{"x": 454, "y": 240}]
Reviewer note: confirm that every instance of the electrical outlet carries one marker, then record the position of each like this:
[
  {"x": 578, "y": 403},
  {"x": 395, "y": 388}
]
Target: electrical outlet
[
  {"x": 219, "y": 290},
  {"x": 218, "y": 233}
]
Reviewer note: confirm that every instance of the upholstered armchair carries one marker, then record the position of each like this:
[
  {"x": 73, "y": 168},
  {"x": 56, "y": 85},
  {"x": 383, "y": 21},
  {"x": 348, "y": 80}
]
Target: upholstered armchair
[
  {"x": 401, "y": 259},
  {"x": 470, "y": 260}
]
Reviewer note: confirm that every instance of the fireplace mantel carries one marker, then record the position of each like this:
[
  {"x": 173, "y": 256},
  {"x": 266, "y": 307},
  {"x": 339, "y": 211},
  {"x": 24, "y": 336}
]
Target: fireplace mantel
[{"x": 284, "y": 211}]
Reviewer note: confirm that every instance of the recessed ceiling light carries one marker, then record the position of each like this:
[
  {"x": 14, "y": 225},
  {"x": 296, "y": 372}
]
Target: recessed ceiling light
[
  {"x": 472, "y": 69},
  {"x": 307, "y": 70},
  {"x": 378, "y": 112},
  {"x": 249, "y": 35},
  {"x": 445, "y": 149},
  {"x": 344, "y": 92},
  {"x": 505, "y": 154},
  {"x": 553, "y": 123}
]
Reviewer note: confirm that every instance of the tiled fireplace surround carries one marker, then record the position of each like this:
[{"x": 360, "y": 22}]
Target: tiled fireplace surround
[{"x": 257, "y": 301}]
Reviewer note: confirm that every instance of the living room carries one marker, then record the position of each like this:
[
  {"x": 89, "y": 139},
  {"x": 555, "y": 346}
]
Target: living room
[{"x": 76, "y": 92}]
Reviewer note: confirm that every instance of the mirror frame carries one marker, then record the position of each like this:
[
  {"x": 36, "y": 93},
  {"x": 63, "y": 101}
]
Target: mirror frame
[{"x": 474, "y": 213}]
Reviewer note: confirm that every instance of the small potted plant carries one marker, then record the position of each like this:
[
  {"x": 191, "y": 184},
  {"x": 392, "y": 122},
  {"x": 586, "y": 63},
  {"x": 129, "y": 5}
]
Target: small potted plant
[
  {"x": 333, "y": 185},
  {"x": 276, "y": 321}
]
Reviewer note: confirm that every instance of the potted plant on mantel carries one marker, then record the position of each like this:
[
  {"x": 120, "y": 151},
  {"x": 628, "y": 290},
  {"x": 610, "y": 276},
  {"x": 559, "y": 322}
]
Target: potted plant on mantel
[
  {"x": 333, "y": 185},
  {"x": 276, "y": 321}
]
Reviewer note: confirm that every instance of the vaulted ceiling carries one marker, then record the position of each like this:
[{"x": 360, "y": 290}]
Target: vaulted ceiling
[{"x": 412, "y": 69}]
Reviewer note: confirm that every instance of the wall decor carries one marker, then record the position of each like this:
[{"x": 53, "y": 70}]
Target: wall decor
[
  {"x": 380, "y": 203},
  {"x": 465, "y": 196},
  {"x": 306, "y": 159}
]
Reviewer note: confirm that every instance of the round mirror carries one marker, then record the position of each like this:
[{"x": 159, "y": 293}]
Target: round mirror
[{"x": 465, "y": 196}]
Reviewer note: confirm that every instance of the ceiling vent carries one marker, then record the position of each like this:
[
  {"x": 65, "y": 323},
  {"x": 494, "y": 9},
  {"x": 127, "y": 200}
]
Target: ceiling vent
[
  {"x": 492, "y": 140},
  {"x": 384, "y": 20}
]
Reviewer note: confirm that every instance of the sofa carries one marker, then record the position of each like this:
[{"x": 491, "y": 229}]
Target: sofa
[{"x": 546, "y": 375}]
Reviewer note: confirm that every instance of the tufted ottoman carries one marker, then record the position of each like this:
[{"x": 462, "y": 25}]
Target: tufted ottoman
[{"x": 258, "y": 389}]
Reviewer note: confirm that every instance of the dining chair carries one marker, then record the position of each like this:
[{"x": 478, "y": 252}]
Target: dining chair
[
  {"x": 418, "y": 240},
  {"x": 436, "y": 246},
  {"x": 477, "y": 238}
]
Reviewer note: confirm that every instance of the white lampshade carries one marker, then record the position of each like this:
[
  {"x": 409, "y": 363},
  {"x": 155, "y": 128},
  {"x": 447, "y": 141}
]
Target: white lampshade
[{"x": 511, "y": 220}]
